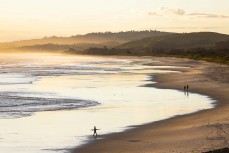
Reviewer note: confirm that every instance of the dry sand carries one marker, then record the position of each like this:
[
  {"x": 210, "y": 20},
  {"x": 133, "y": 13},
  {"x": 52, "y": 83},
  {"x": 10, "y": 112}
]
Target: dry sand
[{"x": 193, "y": 133}]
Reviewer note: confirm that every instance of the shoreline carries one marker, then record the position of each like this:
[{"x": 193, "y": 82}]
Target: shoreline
[{"x": 196, "y": 132}]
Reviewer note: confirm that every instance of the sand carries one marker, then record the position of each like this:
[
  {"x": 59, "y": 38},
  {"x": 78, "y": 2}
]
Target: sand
[{"x": 192, "y": 133}]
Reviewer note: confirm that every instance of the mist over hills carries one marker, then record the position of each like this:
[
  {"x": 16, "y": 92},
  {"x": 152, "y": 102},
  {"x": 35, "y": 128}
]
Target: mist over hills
[
  {"x": 79, "y": 42},
  {"x": 209, "y": 46}
]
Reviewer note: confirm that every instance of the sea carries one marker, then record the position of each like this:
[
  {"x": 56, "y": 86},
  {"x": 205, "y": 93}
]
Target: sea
[{"x": 51, "y": 102}]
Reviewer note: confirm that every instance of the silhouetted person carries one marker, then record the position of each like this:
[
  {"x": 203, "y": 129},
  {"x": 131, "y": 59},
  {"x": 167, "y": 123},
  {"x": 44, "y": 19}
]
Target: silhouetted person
[
  {"x": 95, "y": 131},
  {"x": 187, "y": 88},
  {"x": 184, "y": 88}
]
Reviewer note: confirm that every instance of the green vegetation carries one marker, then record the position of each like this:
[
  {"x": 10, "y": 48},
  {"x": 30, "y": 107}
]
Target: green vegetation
[
  {"x": 177, "y": 41},
  {"x": 221, "y": 57},
  {"x": 208, "y": 46}
]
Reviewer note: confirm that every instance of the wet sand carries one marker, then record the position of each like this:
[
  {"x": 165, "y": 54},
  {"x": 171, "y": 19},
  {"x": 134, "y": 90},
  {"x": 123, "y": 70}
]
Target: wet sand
[{"x": 193, "y": 133}]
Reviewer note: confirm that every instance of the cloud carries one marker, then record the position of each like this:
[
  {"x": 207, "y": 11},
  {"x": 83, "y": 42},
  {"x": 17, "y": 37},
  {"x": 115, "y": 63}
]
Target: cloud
[
  {"x": 167, "y": 11},
  {"x": 172, "y": 11},
  {"x": 152, "y": 13},
  {"x": 208, "y": 15},
  {"x": 188, "y": 27},
  {"x": 180, "y": 12}
]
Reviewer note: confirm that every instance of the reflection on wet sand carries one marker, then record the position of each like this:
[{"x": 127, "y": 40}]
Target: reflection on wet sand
[{"x": 57, "y": 82}]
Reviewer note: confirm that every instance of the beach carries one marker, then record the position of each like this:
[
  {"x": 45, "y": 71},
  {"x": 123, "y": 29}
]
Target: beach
[
  {"x": 197, "y": 132},
  {"x": 56, "y": 99},
  {"x": 105, "y": 76}
]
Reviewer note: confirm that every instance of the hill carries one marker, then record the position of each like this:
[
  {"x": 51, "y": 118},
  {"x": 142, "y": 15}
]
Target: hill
[
  {"x": 177, "y": 41},
  {"x": 103, "y": 39},
  {"x": 207, "y": 46}
]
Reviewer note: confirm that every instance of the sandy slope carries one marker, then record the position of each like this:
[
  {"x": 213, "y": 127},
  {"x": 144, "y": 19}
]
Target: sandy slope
[{"x": 193, "y": 133}]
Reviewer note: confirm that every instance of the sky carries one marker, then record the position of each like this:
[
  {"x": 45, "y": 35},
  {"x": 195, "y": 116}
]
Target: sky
[{"x": 28, "y": 19}]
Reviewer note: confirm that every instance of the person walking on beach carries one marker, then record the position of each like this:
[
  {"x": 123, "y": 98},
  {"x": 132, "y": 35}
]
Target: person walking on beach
[
  {"x": 187, "y": 88},
  {"x": 95, "y": 131},
  {"x": 184, "y": 88}
]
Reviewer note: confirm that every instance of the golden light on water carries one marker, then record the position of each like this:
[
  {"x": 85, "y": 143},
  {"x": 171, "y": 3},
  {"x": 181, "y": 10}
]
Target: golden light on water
[{"x": 48, "y": 81}]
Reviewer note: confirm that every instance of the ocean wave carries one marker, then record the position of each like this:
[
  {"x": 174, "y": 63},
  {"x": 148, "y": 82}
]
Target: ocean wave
[
  {"x": 17, "y": 106},
  {"x": 16, "y": 78}
]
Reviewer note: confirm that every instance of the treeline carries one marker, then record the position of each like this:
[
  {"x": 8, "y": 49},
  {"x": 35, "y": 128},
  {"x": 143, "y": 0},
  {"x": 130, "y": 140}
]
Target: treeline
[
  {"x": 210, "y": 55},
  {"x": 217, "y": 54},
  {"x": 121, "y": 32},
  {"x": 60, "y": 47}
]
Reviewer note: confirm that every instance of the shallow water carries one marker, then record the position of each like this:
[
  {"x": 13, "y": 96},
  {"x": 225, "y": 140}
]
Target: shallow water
[{"x": 84, "y": 91}]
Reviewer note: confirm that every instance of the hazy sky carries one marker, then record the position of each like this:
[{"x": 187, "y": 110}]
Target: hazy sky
[{"x": 25, "y": 19}]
